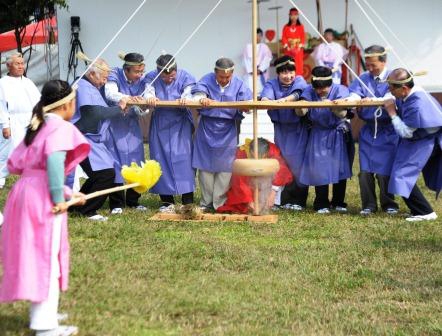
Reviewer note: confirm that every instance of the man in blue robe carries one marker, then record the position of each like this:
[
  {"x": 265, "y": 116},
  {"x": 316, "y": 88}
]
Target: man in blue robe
[
  {"x": 216, "y": 136},
  {"x": 329, "y": 154},
  {"x": 291, "y": 131},
  {"x": 171, "y": 130},
  {"x": 125, "y": 141},
  {"x": 92, "y": 117},
  {"x": 418, "y": 122},
  {"x": 377, "y": 139}
]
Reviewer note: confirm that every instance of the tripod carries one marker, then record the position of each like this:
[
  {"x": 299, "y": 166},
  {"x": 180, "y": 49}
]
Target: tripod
[{"x": 73, "y": 61}]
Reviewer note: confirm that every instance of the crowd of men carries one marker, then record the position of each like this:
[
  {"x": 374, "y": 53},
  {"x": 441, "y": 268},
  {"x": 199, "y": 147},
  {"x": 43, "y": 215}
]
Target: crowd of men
[{"x": 397, "y": 142}]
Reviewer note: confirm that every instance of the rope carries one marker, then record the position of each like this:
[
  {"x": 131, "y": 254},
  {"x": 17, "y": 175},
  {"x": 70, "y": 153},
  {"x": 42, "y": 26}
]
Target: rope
[
  {"x": 111, "y": 40},
  {"x": 162, "y": 31},
  {"x": 325, "y": 41},
  {"x": 377, "y": 114},
  {"x": 387, "y": 27},
  {"x": 184, "y": 43},
  {"x": 395, "y": 53}
]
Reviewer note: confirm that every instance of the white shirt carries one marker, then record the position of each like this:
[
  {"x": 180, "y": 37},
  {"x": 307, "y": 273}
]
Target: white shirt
[{"x": 18, "y": 96}]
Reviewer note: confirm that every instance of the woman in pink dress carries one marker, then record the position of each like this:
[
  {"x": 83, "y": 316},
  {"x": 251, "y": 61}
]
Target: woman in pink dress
[
  {"x": 35, "y": 248},
  {"x": 293, "y": 40}
]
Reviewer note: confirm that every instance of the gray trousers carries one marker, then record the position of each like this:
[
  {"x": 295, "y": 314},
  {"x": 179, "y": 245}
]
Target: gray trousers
[
  {"x": 214, "y": 187},
  {"x": 368, "y": 192}
]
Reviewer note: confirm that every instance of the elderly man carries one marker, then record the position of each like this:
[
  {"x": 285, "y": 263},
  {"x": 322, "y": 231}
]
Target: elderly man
[
  {"x": 377, "y": 139},
  {"x": 418, "y": 122},
  {"x": 18, "y": 96},
  {"x": 126, "y": 140},
  {"x": 92, "y": 117},
  {"x": 171, "y": 131},
  {"x": 216, "y": 136}
]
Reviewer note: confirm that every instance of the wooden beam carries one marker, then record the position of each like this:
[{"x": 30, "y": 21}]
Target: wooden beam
[
  {"x": 214, "y": 218},
  {"x": 264, "y": 105}
]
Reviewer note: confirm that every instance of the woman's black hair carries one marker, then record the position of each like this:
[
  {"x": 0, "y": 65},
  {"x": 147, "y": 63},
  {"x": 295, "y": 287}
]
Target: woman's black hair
[
  {"x": 321, "y": 71},
  {"x": 168, "y": 60},
  {"x": 298, "y": 23},
  {"x": 52, "y": 91},
  {"x": 286, "y": 67}
]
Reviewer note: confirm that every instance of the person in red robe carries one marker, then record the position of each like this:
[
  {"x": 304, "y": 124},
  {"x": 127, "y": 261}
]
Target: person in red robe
[
  {"x": 293, "y": 40},
  {"x": 240, "y": 194}
]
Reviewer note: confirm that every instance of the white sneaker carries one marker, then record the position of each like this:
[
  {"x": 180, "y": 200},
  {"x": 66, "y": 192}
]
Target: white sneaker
[
  {"x": 323, "y": 211},
  {"x": 140, "y": 208},
  {"x": 340, "y": 209},
  {"x": 59, "y": 331},
  {"x": 287, "y": 206},
  {"x": 2, "y": 182},
  {"x": 62, "y": 317},
  {"x": 366, "y": 212},
  {"x": 98, "y": 218},
  {"x": 167, "y": 208},
  {"x": 391, "y": 211},
  {"x": 116, "y": 211},
  {"x": 296, "y": 207},
  {"x": 418, "y": 218}
]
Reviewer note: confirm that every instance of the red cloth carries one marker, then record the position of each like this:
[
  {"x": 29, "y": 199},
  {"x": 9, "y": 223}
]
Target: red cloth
[
  {"x": 37, "y": 33},
  {"x": 240, "y": 193},
  {"x": 293, "y": 37}
]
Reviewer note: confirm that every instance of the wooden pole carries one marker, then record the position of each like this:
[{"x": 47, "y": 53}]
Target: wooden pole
[
  {"x": 74, "y": 201},
  {"x": 255, "y": 99},
  {"x": 264, "y": 105}
]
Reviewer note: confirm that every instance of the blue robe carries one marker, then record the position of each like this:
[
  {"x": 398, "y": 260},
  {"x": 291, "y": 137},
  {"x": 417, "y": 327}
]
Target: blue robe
[
  {"x": 327, "y": 158},
  {"x": 375, "y": 155},
  {"x": 216, "y": 136},
  {"x": 418, "y": 153},
  {"x": 291, "y": 133},
  {"x": 125, "y": 141},
  {"x": 99, "y": 156},
  {"x": 170, "y": 137}
]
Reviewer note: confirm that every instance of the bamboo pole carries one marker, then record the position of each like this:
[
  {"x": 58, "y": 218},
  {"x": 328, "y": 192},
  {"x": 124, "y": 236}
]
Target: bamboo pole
[
  {"x": 255, "y": 99},
  {"x": 264, "y": 105},
  {"x": 74, "y": 201}
]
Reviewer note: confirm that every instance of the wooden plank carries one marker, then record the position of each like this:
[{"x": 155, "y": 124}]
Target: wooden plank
[
  {"x": 265, "y": 105},
  {"x": 215, "y": 218}
]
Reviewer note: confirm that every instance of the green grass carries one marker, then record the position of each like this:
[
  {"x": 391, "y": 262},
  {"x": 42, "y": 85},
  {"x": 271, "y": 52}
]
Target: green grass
[{"x": 308, "y": 274}]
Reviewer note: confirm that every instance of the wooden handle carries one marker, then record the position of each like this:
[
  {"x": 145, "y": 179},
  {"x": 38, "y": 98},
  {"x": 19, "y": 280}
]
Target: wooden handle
[
  {"x": 74, "y": 201},
  {"x": 264, "y": 105}
]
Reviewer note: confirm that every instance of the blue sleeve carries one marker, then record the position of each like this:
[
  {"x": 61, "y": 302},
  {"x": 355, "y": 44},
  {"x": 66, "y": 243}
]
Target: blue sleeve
[
  {"x": 268, "y": 91},
  {"x": 307, "y": 94},
  {"x": 356, "y": 87},
  {"x": 55, "y": 170},
  {"x": 200, "y": 87},
  {"x": 244, "y": 93}
]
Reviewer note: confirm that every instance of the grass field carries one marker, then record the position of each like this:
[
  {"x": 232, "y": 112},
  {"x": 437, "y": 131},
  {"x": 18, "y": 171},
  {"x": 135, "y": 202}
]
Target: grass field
[{"x": 308, "y": 274}]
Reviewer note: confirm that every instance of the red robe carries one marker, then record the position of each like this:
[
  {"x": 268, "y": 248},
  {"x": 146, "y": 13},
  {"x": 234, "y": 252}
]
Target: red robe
[
  {"x": 240, "y": 194},
  {"x": 293, "y": 38}
]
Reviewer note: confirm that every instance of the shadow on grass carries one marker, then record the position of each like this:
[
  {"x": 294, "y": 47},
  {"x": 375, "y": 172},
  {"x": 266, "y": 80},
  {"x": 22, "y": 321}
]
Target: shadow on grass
[
  {"x": 14, "y": 325},
  {"x": 428, "y": 244}
]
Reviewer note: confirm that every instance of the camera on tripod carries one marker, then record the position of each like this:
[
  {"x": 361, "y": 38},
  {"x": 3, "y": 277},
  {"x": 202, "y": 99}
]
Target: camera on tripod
[
  {"x": 75, "y": 47},
  {"x": 75, "y": 25}
]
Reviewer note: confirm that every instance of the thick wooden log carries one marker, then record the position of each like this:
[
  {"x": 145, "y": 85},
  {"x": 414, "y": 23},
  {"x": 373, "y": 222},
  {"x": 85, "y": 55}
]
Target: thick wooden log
[{"x": 265, "y": 105}]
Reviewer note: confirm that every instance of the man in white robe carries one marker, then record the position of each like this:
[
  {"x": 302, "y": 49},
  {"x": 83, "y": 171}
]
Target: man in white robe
[
  {"x": 330, "y": 55},
  {"x": 264, "y": 57},
  {"x": 18, "y": 96}
]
